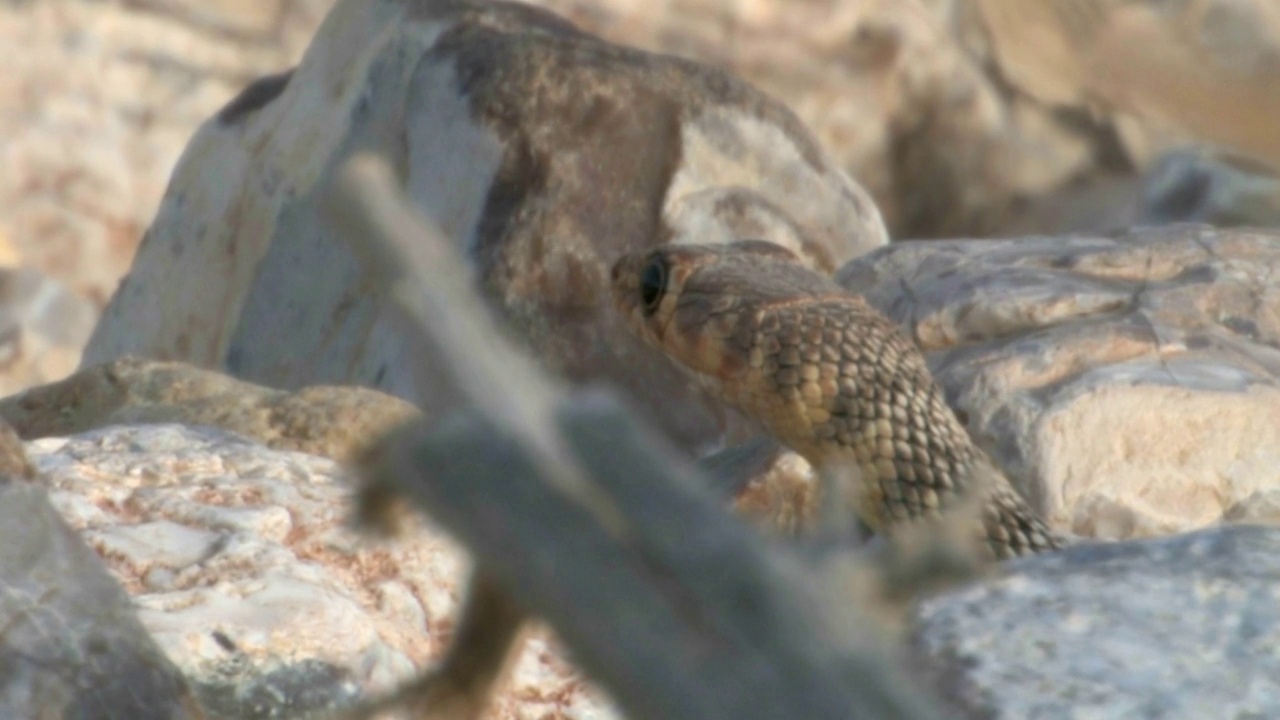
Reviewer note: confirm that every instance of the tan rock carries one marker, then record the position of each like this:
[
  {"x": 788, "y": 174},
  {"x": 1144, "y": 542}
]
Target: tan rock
[
  {"x": 1132, "y": 385},
  {"x": 542, "y": 151},
  {"x": 334, "y": 422}
]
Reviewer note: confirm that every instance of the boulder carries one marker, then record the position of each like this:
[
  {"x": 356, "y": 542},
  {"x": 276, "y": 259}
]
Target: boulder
[
  {"x": 541, "y": 151},
  {"x": 1182, "y": 627},
  {"x": 1131, "y": 385},
  {"x": 243, "y": 570}
]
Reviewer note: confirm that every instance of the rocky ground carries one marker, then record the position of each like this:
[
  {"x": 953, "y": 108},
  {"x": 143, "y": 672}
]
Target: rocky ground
[{"x": 1127, "y": 379}]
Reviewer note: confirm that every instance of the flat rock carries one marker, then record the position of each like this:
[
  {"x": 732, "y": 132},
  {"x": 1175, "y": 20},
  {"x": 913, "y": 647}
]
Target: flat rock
[
  {"x": 1177, "y": 628},
  {"x": 73, "y": 647},
  {"x": 333, "y": 421},
  {"x": 541, "y": 151},
  {"x": 1131, "y": 385},
  {"x": 241, "y": 567}
]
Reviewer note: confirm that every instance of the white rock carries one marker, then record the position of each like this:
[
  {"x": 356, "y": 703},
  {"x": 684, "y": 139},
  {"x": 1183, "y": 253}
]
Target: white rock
[{"x": 241, "y": 565}]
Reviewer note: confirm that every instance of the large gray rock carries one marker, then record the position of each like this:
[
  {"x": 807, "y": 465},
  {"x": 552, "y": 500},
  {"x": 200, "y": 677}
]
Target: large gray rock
[
  {"x": 1131, "y": 384},
  {"x": 541, "y": 151},
  {"x": 1181, "y": 628}
]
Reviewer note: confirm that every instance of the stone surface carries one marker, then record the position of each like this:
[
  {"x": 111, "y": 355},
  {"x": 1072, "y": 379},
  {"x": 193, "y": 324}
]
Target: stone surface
[
  {"x": 73, "y": 647},
  {"x": 1130, "y": 384},
  {"x": 241, "y": 567},
  {"x": 1178, "y": 628},
  {"x": 334, "y": 422},
  {"x": 542, "y": 152}
]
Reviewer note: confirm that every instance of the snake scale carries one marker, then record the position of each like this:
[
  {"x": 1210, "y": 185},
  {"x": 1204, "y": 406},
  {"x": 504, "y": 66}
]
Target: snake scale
[{"x": 827, "y": 374}]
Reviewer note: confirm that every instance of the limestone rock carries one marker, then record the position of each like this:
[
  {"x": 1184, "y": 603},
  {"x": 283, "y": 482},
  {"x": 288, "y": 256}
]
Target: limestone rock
[
  {"x": 1131, "y": 384},
  {"x": 334, "y": 422},
  {"x": 541, "y": 151},
  {"x": 72, "y": 645},
  {"x": 98, "y": 105},
  {"x": 242, "y": 569},
  {"x": 1182, "y": 627}
]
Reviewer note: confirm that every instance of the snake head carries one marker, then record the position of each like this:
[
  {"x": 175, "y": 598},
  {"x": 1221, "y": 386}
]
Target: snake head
[{"x": 703, "y": 305}]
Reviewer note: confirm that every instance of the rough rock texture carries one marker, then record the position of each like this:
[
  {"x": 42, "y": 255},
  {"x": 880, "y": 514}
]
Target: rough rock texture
[
  {"x": 334, "y": 422},
  {"x": 60, "y": 609},
  {"x": 1131, "y": 384},
  {"x": 1181, "y": 628},
  {"x": 541, "y": 151},
  {"x": 241, "y": 568},
  {"x": 98, "y": 105},
  {"x": 43, "y": 326}
]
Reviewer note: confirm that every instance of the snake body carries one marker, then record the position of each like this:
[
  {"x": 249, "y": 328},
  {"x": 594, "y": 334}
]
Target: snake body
[{"x": 827, "y": 374}]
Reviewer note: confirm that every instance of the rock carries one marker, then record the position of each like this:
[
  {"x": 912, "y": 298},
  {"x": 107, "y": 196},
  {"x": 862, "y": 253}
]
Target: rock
[
  {"x": 541, "y": 151},
  {"x": 1131, "y": 385},
  {"x": 334, "y": 422},
  {"x": 43, "y": 326},
  {"x": 243, "y": 571},
  {"x": 1182, "y": 627},
  {"x": 72, "y": 646},
  {"x": 100, "y": 102},
  {"x": 1219, "y": 189}
]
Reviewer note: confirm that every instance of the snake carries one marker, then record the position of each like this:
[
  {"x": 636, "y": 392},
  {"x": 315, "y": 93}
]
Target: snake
[{"x": 829, "y": 376}]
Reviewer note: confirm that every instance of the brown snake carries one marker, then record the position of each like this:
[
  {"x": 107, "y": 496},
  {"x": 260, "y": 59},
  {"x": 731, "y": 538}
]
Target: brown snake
[{"x": 826, "y": 373}]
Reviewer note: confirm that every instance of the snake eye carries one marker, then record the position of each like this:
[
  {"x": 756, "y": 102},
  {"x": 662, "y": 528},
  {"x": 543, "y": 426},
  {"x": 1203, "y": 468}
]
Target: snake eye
[{"x": 653, "y": 284}]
